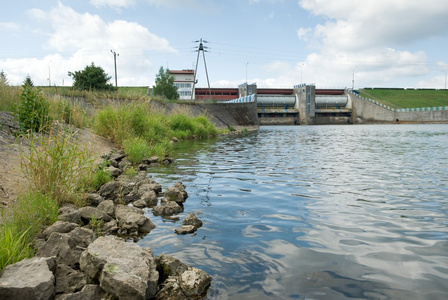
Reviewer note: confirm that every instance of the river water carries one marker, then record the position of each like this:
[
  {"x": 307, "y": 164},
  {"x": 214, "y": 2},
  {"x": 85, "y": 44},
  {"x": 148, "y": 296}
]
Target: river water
[{"x": 315, "y": 212}]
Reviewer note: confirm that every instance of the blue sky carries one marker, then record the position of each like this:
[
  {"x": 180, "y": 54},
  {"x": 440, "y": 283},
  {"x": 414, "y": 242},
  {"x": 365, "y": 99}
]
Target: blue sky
[{"x": 275, "y": 43}]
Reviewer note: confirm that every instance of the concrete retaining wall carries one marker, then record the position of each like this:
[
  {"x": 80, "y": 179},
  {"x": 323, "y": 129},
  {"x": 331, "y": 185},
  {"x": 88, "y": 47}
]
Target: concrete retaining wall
[
  {"x": 222, "y": 115},
  {"x": 369, "y": 111}
]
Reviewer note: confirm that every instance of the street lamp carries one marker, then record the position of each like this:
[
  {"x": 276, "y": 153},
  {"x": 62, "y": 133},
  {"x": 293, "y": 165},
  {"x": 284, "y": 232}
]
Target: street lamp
[{"x": 353, "y": 79}]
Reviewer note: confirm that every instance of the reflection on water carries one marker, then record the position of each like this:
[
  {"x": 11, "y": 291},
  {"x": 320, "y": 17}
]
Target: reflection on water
[{"x": 316, "y": 212}]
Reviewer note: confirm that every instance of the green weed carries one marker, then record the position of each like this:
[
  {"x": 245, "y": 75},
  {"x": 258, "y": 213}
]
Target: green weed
[{"x": 137, "y": 149}]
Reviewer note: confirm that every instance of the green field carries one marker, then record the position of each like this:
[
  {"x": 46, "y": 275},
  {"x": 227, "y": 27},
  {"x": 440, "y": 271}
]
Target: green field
[{"x": 407, "y": 98}]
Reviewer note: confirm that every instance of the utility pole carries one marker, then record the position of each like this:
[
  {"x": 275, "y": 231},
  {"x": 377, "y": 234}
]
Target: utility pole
[
  {"x": 115, "y": 63},
  {"x": 301, "y": 69},
  {"x": 353, "y": 79},
  {"x": 200, "y": 48},
  {"x": 445, "y": 78}
]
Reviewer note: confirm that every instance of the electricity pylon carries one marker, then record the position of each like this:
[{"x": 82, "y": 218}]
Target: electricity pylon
[{"x": 200, "y": 48}]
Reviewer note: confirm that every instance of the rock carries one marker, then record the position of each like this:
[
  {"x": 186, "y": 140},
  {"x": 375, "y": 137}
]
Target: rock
[
  {"x": 110, "y": 190},
  {"x": 124, "y": 270},
  {"x": 143, "y": 167},
  {"x": 124, "y": 164},
  {"x": 151, "y": 185},
  {"x": 174, "y": 139},
  {"x": 108, "y": 207},
  {"x": 194, "y": 282},
  {"x": 113, "y": 171},
  {"x": 110, "y": 227},
  {"x": 171, "y": 289},
  {"x": 169, "y": 266},
  {"x": 167, "y": 160},
  {"x": 71, "y": 217},
  {"x": 66, "y": 247},
  {"x": 148, "y": 196},
  {"x": 168, "y": 208},
  {"x": 185, "y": 229},
  {"x": 191, "y": 219},
  {"x": 132, "y": 220},
  {"x": 176, "y": 193},
  {"x": 90, "y": 292},
  {"x": 67, "y": 208},
  {"x": 139, "y": 203},
  {"x": 59, "y": 226},
  {"x": 69, "y": 280},
  {"x": 87, "y": 213},
  {"x": 94, "y": 199},
  {"x": 28, "y": 279},
  {"x": 117, "y": 156},
  {"x": 151, "y": 160}
]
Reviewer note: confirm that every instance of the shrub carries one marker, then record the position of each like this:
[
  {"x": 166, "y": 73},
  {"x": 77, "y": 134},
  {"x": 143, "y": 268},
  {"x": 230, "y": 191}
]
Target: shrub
[
  {"x": 33, "y": 110},
  {"x": 99, "y": 177}
]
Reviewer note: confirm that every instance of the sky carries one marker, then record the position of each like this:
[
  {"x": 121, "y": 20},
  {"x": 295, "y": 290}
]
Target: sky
[{"x": 274, "y": 43}]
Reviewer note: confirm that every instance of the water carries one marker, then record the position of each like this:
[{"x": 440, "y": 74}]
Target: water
[{"x": 316, "y": 212}]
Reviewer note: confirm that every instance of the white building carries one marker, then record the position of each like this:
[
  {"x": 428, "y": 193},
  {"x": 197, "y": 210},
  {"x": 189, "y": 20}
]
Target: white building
[{"x": 184, "y": 80}]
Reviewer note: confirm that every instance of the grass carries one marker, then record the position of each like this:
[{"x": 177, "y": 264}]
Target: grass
[
  {"x": 407, "y": 98},
  {"x": 55, "y": 165},
  {"x": 22, "y": 223},
  {"x": 143, "y": 132},
  {"x": 9, "y": 97}
]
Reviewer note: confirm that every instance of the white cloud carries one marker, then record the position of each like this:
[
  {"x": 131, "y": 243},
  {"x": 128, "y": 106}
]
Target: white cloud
[
  {"x": 113, "y": 3},
  {"x": 82, "y": 38}
]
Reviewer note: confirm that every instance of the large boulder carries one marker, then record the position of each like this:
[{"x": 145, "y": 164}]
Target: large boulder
[
  {"x": 59, "y": 226},
  {"x": 132, "y": 221},
  {"x": 29, "y": 279},
  {"x": 66, "y": 247},
  {"x": 108, "y": 207},
  {"x": 94, "y": 199},
  {"x": 185, "y": 229},
  {"x": 123, "y": 270}
]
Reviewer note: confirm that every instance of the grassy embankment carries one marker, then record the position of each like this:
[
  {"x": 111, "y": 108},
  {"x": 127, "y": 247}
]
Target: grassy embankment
[
  {"x": 407, "y": 98},
  {"x": 59, "y": 171}
]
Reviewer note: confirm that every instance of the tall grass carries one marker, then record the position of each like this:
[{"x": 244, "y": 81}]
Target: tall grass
[
  {"x": 55, "y": 165},
  {"x": 9, "y": 97},
  {"x": 145, "y": 132},
  {"x": 22, "y": 222}
]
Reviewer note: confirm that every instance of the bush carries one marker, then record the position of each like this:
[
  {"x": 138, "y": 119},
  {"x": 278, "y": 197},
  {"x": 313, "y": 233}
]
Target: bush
[
  {"x": 100, "y": 177},
  {"x": 33, "y": 110}
]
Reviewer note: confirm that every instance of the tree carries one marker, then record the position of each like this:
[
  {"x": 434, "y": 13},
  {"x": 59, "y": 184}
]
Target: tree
[
  {"x": 3, "y": 79},
  {"x": 28, "y": 81},
  {"x": 165, "y": 85},
  {"x": 91, "y": 78}
]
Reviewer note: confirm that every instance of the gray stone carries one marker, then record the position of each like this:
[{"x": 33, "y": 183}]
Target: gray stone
[
  {"x": 191, "y": 219},
  {"x": 132, "y": 219},
  {"x": 89, "y": 292},
  {"x": 94, "y": 199},
  {"x": 151, "y": 160},
  {"x": 108, "y": 207},
  {"x": 88, "y": 212},
  {"x": 168, "y": 208},
  {"x": 194, "y": 282},
  {"x": 176, "y": 193},
  {"x": 117, "y": 156},
  {"x": 66, "y": 247},
  {"x": 139, "y": 203},
  {"x": 185, "y": 229},
  {"x": 169, "y": 266},
  {"x": 28, "y": 279},
  {"x": 113, "y": 171},
  {"x": 111, "y": 190},
  {"x": 171, "y": 289},
  {"x": 69, "y": 280},
  {"x": 124, "y": 164},
  {"x": 124, "y": 270},
  {"x": 67, "y": 208},
  {"x": 71, "y": 217},
  {"x": 59, "y": 226},
  {"x": 110, "y": 227},
  {"x": 143, "y": 167}
]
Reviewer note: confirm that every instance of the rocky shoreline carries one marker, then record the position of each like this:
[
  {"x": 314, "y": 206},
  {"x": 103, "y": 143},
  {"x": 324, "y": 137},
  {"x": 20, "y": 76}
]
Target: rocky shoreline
[{"x": 89, "y": 253}]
